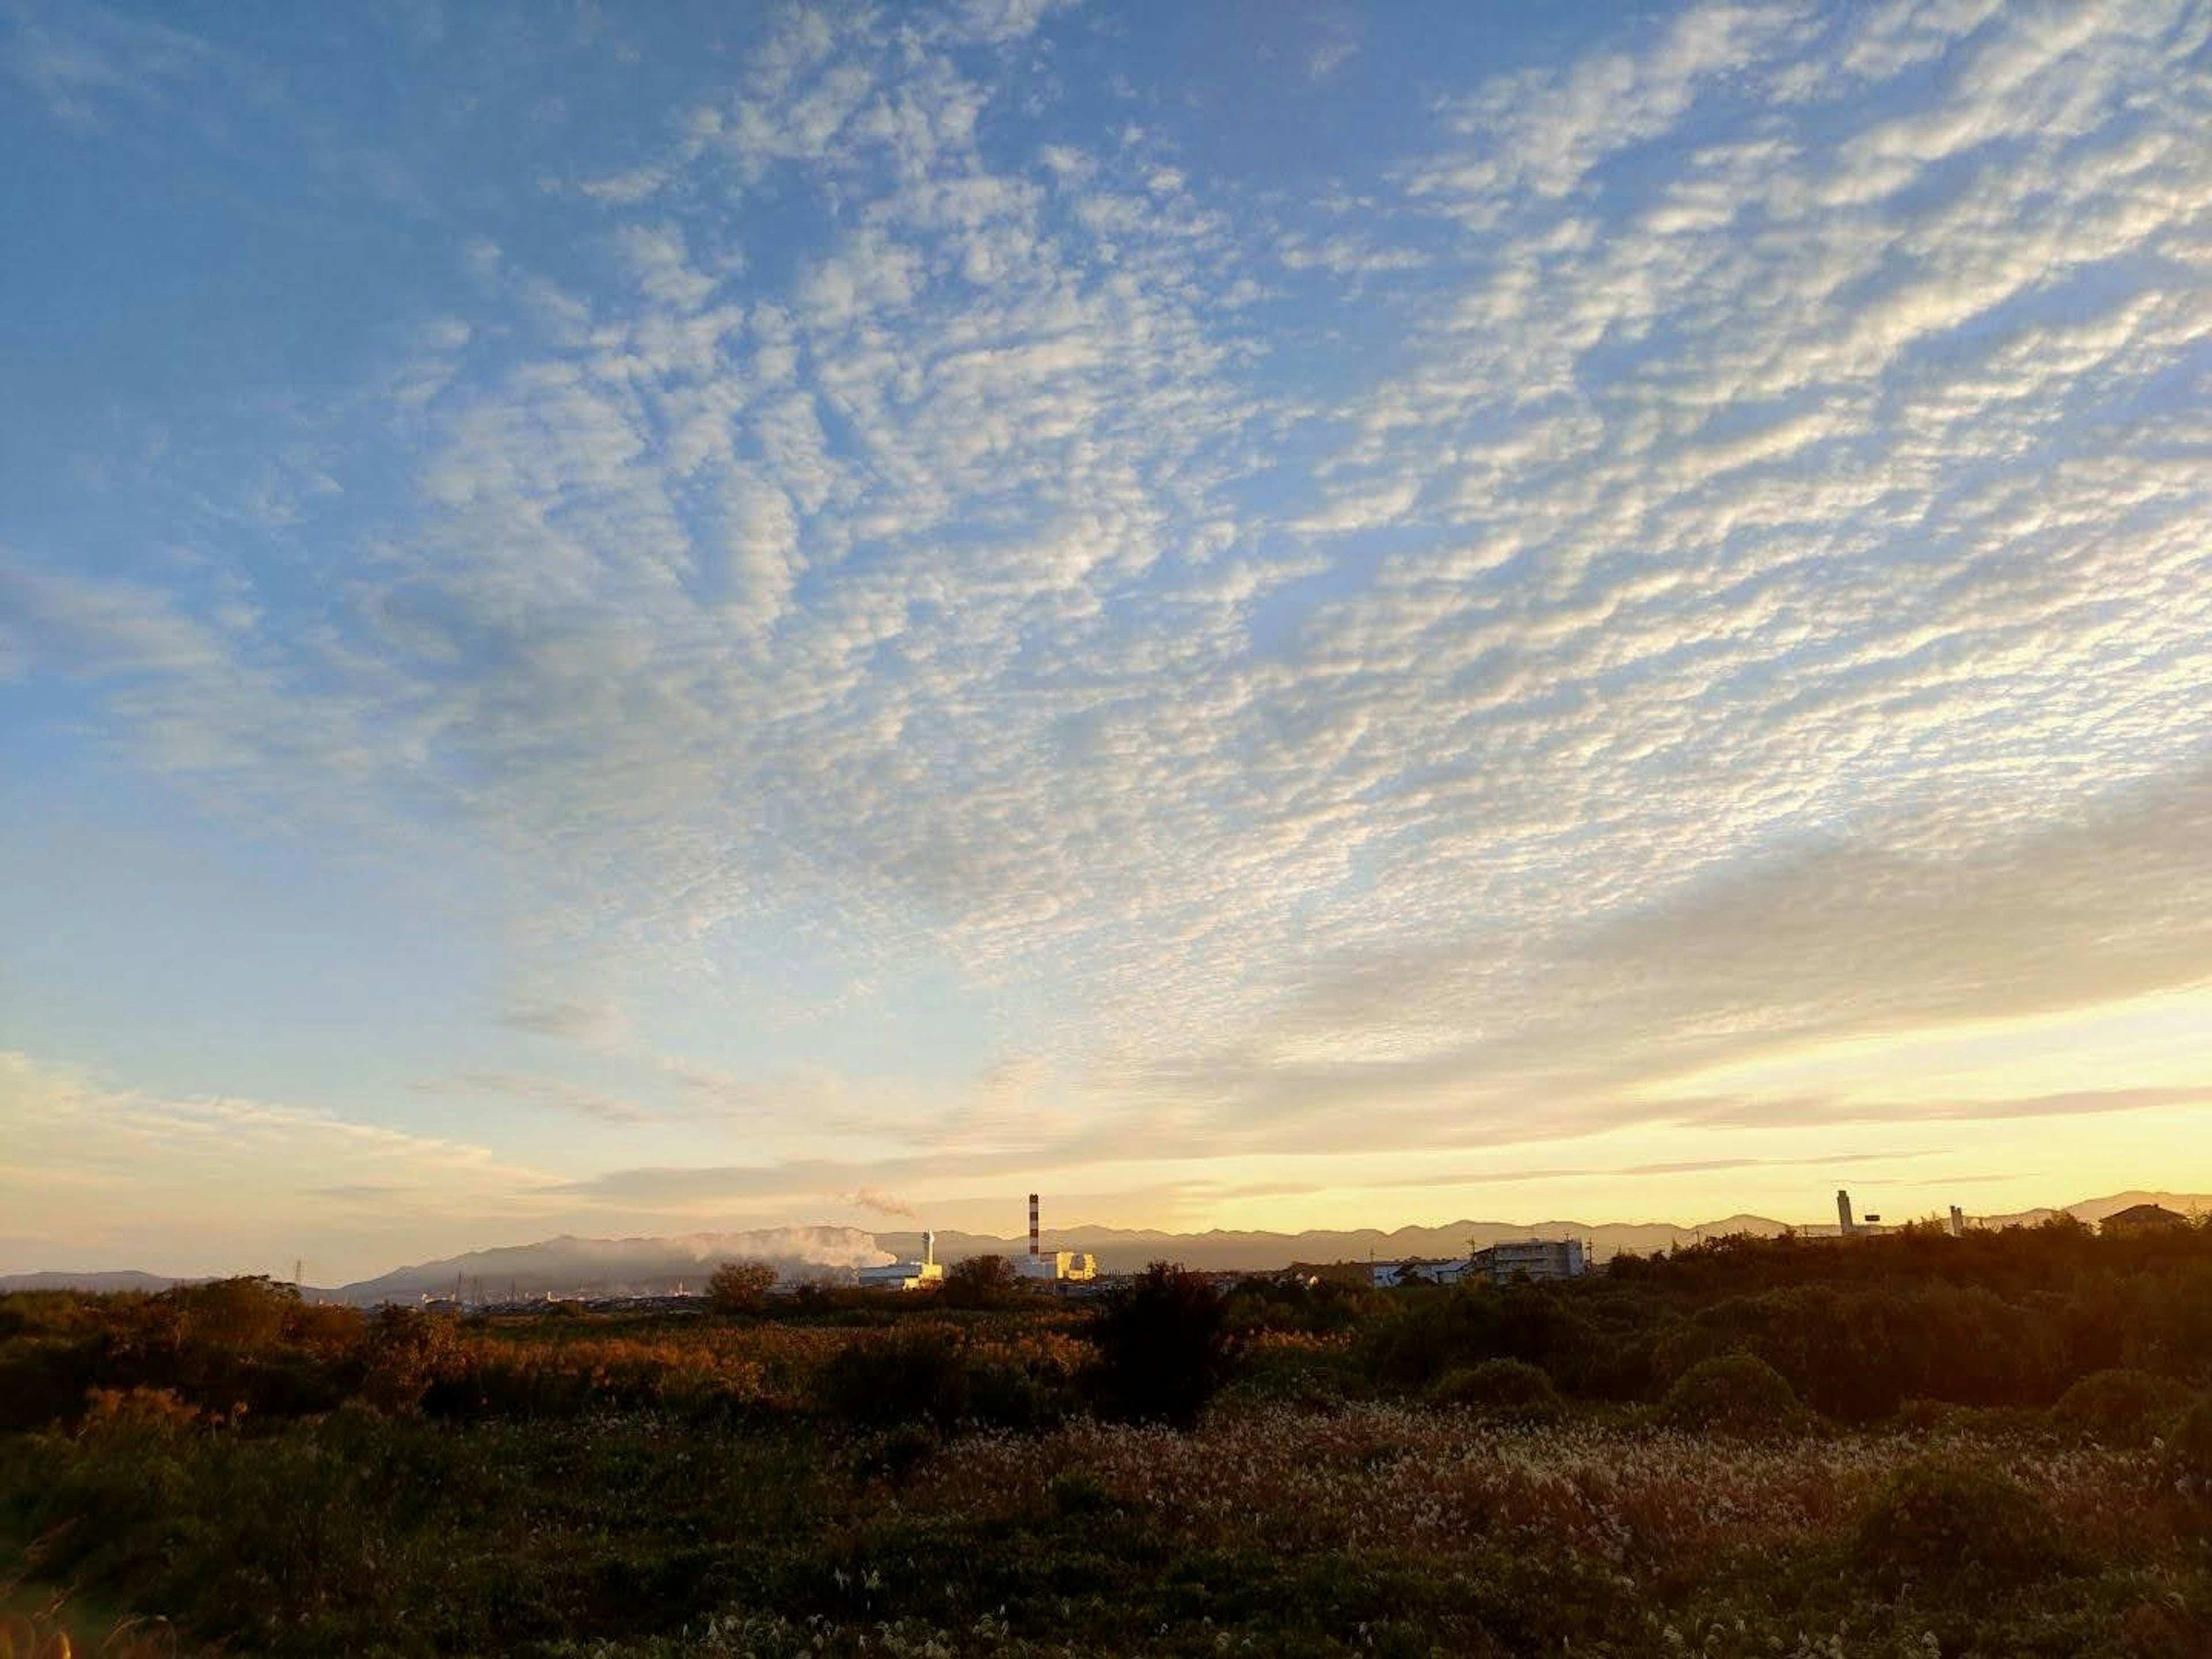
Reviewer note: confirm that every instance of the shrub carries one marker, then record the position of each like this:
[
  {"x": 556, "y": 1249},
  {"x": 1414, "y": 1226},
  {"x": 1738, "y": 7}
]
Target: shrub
[
  {"x": 1734, "y": 1394},
  {"x": 1430, "y": 1333},
  {"x": 226, "y": 1314},
  {"x": 915, "y": 1376},
  {"x": 43, "y": 1380},
  {"x": 1078, "y": 1492},
  {"x": 2189, "y": 1448},
  {"x": 1164, "y": 1347},
  {"x": 1293, "y": 1368},
  {"x": 981, "y": 1281},
  {"x": 146, "y": 1411},
  {"x": 740, "y": 1287},
  {"x": 2120, "y": 1407},
  {"x": 1965, "y": 1529},
  {"x": 407, "y": 1351},
  {"x": 1500, "y": 1391}
]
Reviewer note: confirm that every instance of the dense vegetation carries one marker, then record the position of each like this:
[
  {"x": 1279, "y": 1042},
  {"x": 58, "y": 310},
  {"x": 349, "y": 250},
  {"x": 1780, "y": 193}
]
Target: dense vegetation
[{"x": 1904, "y": 1445}]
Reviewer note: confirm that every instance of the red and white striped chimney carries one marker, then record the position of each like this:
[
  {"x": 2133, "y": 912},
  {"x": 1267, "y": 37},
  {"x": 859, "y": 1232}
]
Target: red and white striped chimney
[{"x": 1033, "y": 1223}]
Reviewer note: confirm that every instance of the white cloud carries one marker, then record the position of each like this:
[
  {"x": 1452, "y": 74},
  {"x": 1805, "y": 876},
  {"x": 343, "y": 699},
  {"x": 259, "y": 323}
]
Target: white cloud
[
  {"x": 88, "y": 65},
  {"x": 1769, "y": 463},
  {"x": 221, "y": 1184}
]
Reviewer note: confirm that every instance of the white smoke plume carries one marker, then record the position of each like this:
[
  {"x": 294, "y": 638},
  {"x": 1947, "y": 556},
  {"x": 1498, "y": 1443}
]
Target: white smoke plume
[{"x": 867, "y": 1198}]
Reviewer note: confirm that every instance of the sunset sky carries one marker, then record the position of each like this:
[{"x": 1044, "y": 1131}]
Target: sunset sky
[{"x": 638, "y": 618}]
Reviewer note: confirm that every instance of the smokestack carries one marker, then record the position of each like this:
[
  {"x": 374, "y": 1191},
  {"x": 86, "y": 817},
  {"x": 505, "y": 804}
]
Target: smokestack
[
  {"x": 1958, "y": 1222},
  {"x": 928, "y": 1250},
  {"x": 1843, "y": 1212},
  {"x": 1033, "y": 1223}
]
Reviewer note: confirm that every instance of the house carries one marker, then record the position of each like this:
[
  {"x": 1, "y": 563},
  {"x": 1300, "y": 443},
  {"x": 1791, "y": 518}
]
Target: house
[{"x": 2141, "y": 1219}]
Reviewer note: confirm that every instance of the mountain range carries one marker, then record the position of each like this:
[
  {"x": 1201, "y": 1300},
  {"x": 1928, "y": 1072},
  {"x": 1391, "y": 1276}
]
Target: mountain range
[{"x": 569, "y": 1266}]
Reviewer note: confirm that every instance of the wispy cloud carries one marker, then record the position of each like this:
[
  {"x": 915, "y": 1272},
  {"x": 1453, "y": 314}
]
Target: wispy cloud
[
  {"x": 213, "y": 1184},
  {"x": 1697, "y": 551},
  {"x": 85, "y": 61}
]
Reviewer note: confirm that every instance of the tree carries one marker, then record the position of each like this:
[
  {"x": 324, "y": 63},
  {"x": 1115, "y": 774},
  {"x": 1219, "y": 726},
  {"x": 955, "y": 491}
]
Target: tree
[
  {"x": 981, "y": 1281},
  {"x": 1165, "y": 1346},
  {"x": 740, "y": 1287}
]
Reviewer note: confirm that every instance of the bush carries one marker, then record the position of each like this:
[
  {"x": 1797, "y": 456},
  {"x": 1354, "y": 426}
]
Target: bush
[
  {"x": 1500, "y": 1391},
  {"x": 2120, "y": 1407},
  {"x": 226, "y": 1315},
  {"x": 1430, "y": 1333},
  {"x": 981, "y": 1281},
  {"x": 740, "y": 1287},
  {"x": 906, "y": 1376},
  {"x": 1080, "y": 1493},
  {"x": 1734, "y": 1394},
  {"x": 144, "y": 1411},
  {"x": 1164, "y": 1347},
  {"x": 1974, "y": 1533},
  {"x": 2189, "y": 1449},
  {"x": 407, "y": 1351}
]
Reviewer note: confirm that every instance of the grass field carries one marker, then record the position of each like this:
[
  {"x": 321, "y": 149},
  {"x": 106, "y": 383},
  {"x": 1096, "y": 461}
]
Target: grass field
[{"x": 1631, "y": 1465}]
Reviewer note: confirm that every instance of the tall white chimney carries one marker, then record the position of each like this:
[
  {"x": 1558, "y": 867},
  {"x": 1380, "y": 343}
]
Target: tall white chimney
[
  {"x": 1843, "y": 1212},
  {"x": 928, "y": 1249}
]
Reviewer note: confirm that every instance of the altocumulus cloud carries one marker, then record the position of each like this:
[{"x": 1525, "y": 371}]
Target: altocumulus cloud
[{"x": 1697, "y": 545}]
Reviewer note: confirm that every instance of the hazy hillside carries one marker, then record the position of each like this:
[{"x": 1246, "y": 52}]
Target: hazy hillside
[
  {"x": 621, "y": 1266},
  {"x": 102, "y": 1282},
  {"x": 569, "y": 1266}
]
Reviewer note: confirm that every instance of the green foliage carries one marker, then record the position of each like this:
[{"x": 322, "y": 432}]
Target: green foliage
[
  {"x": 937, "y": 1376},
  {"x": 1958, "y": 1526},
  {"x": 1500, "y": 1391},
  {"x": 1856, "y": 1353},
  {"x": 740, "y": 1287},
  {"x": 1734, "y": 1394},
  {"x": 406, "y": 1352},
  {"x": 907, "y": 1377},
  {"x": 2189, "y": 1449},
  {"x": 2120, "y": 1407},
  {"x": 1078, "y": 1493},
  {"x": 231, "y": 1313},
  {"x": 1305, "y": 1304},
  {"x": 981, "y": 1281},
  {"x": 1164, "y": 1347},
  {"x": 805, "y": 1477},
  {"x": 1427, "y": 1332}
]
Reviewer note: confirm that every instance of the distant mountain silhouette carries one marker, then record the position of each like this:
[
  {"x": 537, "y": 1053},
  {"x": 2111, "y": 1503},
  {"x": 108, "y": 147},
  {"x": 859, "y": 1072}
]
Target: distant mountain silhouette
[
  {"x": 103, "y": 1282},
  {"x": 568, "y": 1266}
]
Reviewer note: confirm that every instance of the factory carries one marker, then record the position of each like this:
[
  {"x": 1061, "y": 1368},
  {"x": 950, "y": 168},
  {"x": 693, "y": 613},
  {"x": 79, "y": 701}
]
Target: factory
[
  {"x": 1041, "y": 1266},
  {"x": 906, "y": 1275}
]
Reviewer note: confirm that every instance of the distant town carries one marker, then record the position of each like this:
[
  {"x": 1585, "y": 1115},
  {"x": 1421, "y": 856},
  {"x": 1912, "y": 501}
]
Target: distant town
[{"x": 670, "y": 1274}]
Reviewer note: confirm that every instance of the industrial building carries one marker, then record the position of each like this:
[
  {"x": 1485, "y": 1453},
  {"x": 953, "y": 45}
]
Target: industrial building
[
  {"x": 1055, "y": 1266},
  {"x": 906, "y": 1275}
]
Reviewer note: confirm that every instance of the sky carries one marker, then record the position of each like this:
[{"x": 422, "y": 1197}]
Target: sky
[{"x": 638, "y": 619}]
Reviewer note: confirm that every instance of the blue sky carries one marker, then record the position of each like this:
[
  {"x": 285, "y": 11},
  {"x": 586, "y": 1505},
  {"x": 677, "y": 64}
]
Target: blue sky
[{"x": 627, "y": 620}]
